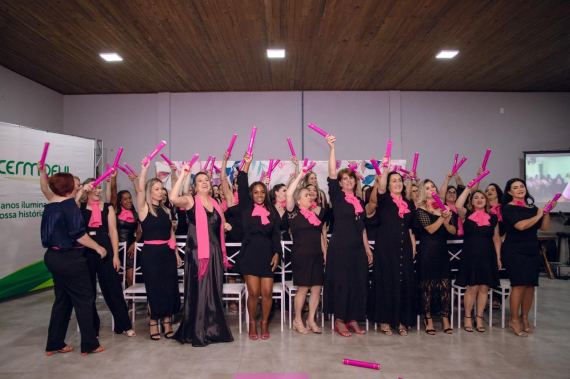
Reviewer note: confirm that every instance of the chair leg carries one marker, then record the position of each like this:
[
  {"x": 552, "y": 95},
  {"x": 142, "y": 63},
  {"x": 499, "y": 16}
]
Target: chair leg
[
  {"x": 535, "y": 304},
  {"x": 283, "y": 310},
  {"x": 332, "y": 321},
  {"x": 490, "y": 308},
  {"x": 290, "y": 309},
  {"x": 503, "y": 310},
  {"x": 239, "y": 310},
  {"x": 452, "y": 301},
  {"x": 418, "y": 322},
  {"x": 459, "y": 310}
]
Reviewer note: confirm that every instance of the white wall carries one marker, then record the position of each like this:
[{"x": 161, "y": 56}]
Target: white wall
[{"x": 25, "y": 102}]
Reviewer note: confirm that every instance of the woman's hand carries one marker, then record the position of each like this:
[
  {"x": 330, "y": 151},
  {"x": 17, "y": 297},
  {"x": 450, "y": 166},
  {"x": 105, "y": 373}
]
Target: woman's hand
[
  {"x": 370, "y": 256},
  {"x": 227, "y": 227},
  {"x": 87, "y": 187},
  {"x": 133, "y": 177},
  {"x": 266, "y": 180},
  {"x": 226, "y": 156},
  {"x": 540, "y": 211},
  {"x": 172, "y": 168},
  {"x": 449, "y": 175},
  {"x": 116, "y": 263},
  {"x": 145, "y": 164},
  {"x": 247, "y": 157},
  {"x": 274, "y": 262},
  {"x": 295, "y": 161},
  {"x": 385, "y": 160},
  {"x": 499, "y": 263},
  {"x": 101, "y": 251},
  {"x": 446, "y": 213},
  {"x": 131, "y": 251},
  {"x": 40, "y": 168},
  {"x": 178, "y": 260},
  {"x": 330, "y": 141}
]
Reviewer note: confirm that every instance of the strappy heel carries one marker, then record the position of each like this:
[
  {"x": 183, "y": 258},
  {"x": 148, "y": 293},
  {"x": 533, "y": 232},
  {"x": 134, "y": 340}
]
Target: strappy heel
[
  {"x": 314, "y": 328},
  {"x": 447, "y": 330},
  {"x": 386, "y": 329},
  {"x": 300, "y": 328},
  {"x": 100, "y": 349},
  {"x": 130, "y": 333},
  {"x": 511, "y": 327},
  {"x": 431, "y": 332},
  {"x": 66, "y": 349},
  {"x": 529, "y": 330},
  {"x": 252, "y": 337},
  {"x": 344, "y": 333},
  {"x": 481, "y": 329},
  {"x": 168, "y": 335},
  {"x": 402, "y": 330},
  {"x": 354, "y": 329},
  {"x": 467, "y": 328},
  {"x": 155, "y": 336},
  {"x": 265, "y": 336}
]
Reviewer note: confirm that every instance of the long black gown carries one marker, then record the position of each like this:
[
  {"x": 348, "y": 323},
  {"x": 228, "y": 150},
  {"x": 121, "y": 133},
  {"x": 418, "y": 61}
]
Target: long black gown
[
  {"x": 307, "y": 260},
  {"x": 434, "y": 267},
  {"x": 109, "y": 279},
  {"x": 346, "y": 272},
  {"x": 520, "y": 252},
  {"x": 478, "y": 265},
  {"x": 158, "y": 265},
  {"x": 203, "y": 321},
  {"x": 392, "y": 292},
  {"x": 260, "y": 242}
]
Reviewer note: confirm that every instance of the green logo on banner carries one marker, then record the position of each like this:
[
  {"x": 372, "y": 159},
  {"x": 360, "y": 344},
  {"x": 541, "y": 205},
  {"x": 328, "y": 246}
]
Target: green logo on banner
[{"x": 27, "y": 168}]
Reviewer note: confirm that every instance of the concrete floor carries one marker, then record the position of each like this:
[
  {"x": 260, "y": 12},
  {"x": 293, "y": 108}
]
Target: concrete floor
[{"x": 494, "y": 354}]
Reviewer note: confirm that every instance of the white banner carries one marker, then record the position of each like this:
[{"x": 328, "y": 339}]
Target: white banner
[{"x": 22, "y": 202}]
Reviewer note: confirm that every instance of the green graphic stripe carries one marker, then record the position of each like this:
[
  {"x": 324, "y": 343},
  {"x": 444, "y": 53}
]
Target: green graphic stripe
[{"x": 29, "y": 278}]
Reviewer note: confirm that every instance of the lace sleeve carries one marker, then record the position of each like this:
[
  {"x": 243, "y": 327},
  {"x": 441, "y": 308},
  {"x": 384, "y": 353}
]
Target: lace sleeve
[
  {"x": 423, "y": 218},
  {"x": 293, "y": 213}
]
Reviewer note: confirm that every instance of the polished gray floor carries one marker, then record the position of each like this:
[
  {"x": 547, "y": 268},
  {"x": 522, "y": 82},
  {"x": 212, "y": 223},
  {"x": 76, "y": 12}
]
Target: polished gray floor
[{"x": 494, "y": 354}]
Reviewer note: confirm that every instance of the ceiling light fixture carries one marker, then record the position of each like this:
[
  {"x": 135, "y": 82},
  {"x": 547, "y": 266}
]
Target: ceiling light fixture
[
  {"x": 447, "y": 54},
  {"x": 111, "y": 57},
  {"x": 275, "y": 53}
]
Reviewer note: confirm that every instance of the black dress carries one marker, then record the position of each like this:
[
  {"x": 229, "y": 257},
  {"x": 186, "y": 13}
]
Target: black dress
[
  {"x": 307, "y": 261},
  {"x": 182, "y": 224},
  {"x": 520, "y": 252},
  {"x": 434, "y": 268},
  {"x": 203, "y": 321},
  {"x": 478, "y": 264},
  {"x": 102, "y": 269},
  {"x": 392, "y": 292},
  {"x": 127, "y": 232},
  {"x": 260, "y": 242},
  {"x": 346, "y": 271},
  {"x": 158, "y": 265},
  {"x": 233, "y": 217},
  {"x": 372, "y": 224}
]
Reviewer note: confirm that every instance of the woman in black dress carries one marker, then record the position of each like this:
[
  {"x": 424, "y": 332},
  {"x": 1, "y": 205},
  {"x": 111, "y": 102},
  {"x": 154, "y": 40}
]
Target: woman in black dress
[
  {"x": 63, "y": 235},
  {"x": 261, "y": 247},
  {"x": 159, "y": 256},
  {"x": 101, "y": 224},
  {"x": 203, "y": 321},
  {"x": 520, "y": 252},
  {"x": 481, "y": 255},
  {"x": 495, "y": 196},
  {"x": 348, "y": 255},
  {"x": 434, "y": 269},
  {"x": 307, "y": 253},
  {"x": 392, "y": 293}
]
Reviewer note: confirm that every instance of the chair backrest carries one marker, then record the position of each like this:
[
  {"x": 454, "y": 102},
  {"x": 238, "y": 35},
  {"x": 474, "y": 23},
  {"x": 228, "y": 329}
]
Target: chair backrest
[
  {"x": 232, "y": 257},
  {"x": 122, "y": 270},
  {"x": 136, "y": 269}
]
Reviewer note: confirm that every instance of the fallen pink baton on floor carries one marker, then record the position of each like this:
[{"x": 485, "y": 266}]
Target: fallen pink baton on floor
[{"x": 350, "y": 362}]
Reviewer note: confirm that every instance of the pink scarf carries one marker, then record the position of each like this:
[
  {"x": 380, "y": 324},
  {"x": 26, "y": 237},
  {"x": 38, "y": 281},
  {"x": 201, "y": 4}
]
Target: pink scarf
[
  {"x": 282, "y": 203},
  {"x": 313, "y": 205},
  {"x": 310, "y": 216},
  {"x": 432, "y": 204},
  {"x": 236, "y": 198},
  {"x": 204, "y": 237},
  {"x": 258, "y": 210},
  {"x": 496, "y": 210},
  {"x": 459, "y": 222},
  {"x": 224, "y": 205},
  {"x": 519, "y": 203},
  {"x": 126, "y": 215},
  {"x": 402, "y": 205},
  {"x": 351, "y": 199},
  {"x": 95, "y": 220},
  {"x": 481, "y": 218}
]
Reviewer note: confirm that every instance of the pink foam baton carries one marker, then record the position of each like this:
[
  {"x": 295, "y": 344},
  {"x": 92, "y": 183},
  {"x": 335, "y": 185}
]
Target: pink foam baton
[
  {"x": 478, "y": 179},
  {"x": 154, "y": 152},
  {"x": 311, "y": 165},
  {"x": 549, "y": 206},
  {"x": 438, "y": 201},
  {"x": 353, "y": 168},
  {"x": 108, "y": 168},
  {"x": 401, "y": 169},
  {"x": 250, "y": 146},
  {"x": 194, "y": 158},
  {"x": 102, "y": 177},
  {"x": 130, "y": 169},
  {"x": 207, "y": 163},
  {"x": 291, "y": 147},
  {"x": 275, "y": 164},
  {"x": 350, "y": 362},
  {"x": 388, "y": 152},
  {"x": 168, "y": 161},
  {"x": 44, "y": 155},
  {"x": 486, "y": 159},
  {"x": 269, "y": 168},
  {"x": 376, "y": 168},
  {"x": 318, "y": 130},
  {"x": 458, "y": 166},
  {"x": 119, "y": 153},
  {"x": 212, "y": 167},
  {"x": 455, "y": 161},
  {"x": 415, "y": 165},
  {"x": 123, "y": 169},
  {"x": 217, "y": 169},
  {"x": 262, "y": 176},
  {"x": 232, "y": 144}
]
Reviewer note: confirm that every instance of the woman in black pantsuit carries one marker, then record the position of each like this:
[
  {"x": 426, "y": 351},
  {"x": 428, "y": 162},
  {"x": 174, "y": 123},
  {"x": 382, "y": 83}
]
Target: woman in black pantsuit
[
  {"x": 63, "y": 234},
  {"x": 101, "y": 224},
  {"x": 348, "y": 254},
  {"x": 520, "y": 251},
  {"x": 392, "y": 292},
  {"x": 159, "y": 256}
]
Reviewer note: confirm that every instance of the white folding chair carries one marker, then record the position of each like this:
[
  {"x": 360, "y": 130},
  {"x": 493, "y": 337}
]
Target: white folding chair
[
  {"x": 234, "y": 291},
  {"x": 137, "y": 290}
]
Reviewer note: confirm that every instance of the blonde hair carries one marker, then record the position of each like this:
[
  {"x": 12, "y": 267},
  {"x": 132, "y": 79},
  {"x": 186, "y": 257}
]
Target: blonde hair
[
  {"x": 148, "y": 197},
  {"x": 470, "y": 204},
  {"x": 84, "y": 195},
  {"x": 422, "y": 193}
]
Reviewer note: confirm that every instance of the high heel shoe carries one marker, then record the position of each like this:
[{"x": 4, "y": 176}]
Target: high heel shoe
[
  {"x": 314, "y": 328},
  {"x": 446, "y": 330},
  {"x": 300, "y": 328},
  {"x": 66, "y": 349},
  {"x": 481, "y": 329},
  {"x": 431, "y": 332},
  {"x": 252, "y": 337},
  {"x": 155, "y": 336},
  {"x": 528, "y": 330},
  {"x": 467, "y": 328},
  {"x": 344, "y": 333},
  {"x": 100, "y": 349},
  {"x": 170, "y": 334},
  {"x": 265, "y": 336},
  {"x": 357, "y": 329},
  {"x": 385, "y": 328},
  {"x": 512, "y": 324}
]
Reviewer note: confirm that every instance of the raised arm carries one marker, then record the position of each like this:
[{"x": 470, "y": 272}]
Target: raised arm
[
  {"x": 43, "y": 182},
  {"x": 458, "y": 180},
  {"x": 291, "y": 191},
  {"x": 183, "y": 201},
  {"x": 408, "y": 183},
  {"x": 383, "y": 178},
  {"x": 113, "y": 197},
  {"x": 225, "y": 183},
  {"x": 443, "y": 189},
  {"x": 114, "y": 235},
  {"x": 141, "y": 197},
  {"x": 243, "y": 184},
  {"x": 373, "y": 201},
  {"x": 332, "y": 158},
  {"x": 460, "y": 204},
  {"x": 173, "y": 175}
]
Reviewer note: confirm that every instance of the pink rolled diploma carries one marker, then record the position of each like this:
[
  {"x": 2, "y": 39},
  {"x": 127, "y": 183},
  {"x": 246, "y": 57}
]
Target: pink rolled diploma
[
  {"x": 44, "y": 155},
  {"x": 388, "y": 152},
  {"x": 438, "y": 201},
  {"x": 455, "y": 161},
  {"x": 119, "y": 153},
  {"x": 548, "y": 207},
  {"x": 376, "y": 168},
  {"x": 232, "y": 144},
  {"x": 318, "y": 130},
  {"x": 193, "y": 161},
  {"x": 415, "y": 165},
  {"x": 486, "y": 159},
  {"x": 102, "y": 177},
  {"x": 108, "y": 168},
  {"x": 130, "y": 169},
  {"x": 168, "y": 161},
  {"x": 291, "y": 147},
  {"x": 350, "y": 362},
  {"x": 154, "y": 152},
  {"x": 458, "y": 165},
  {"x": 477, "y": 179},
  {"x": 123, "y": 169}
]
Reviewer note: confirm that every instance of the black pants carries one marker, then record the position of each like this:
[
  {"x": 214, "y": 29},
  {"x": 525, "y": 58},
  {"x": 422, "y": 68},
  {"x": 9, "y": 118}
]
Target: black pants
[
  {"x": 73, "y": 290},
  {"x": 110, "y": 283}
]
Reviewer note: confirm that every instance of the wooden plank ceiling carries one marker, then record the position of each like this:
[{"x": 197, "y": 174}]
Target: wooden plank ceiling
[{"x": 220, "y": 45}]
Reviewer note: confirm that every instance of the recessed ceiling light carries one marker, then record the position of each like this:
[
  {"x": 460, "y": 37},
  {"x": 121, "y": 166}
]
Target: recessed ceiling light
[
  {"x": 111, "y": 57},
  {"x": 275, "y": 53},
  {"x": 447, "y": 54}
]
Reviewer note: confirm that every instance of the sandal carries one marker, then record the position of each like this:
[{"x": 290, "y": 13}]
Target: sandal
[
  {"x": 446, "y": 330},
  {"x": 356, "y": 329},
  {"x": 100, "y": 349},
  {"x": 168, "y": 335},
  {"x": 300, "y": 328},
  {"x": 252, "y": 337},
  {"x": 385, "y": 328},
  {"x": 130, "y": 333},
  {"x": 265, "y": 336},
  {"x": 528, "y": 330},
  {"x": 481, "y": 329},
  {"x": 402, "y": 330},
  {"x": 155, "y": 336},
  {"x": 431, "y": 332},
  {"x": 314, "y": 328},
  {"x": 512, "y": 324},
  {"x": 467, "y": 328},
  {"x": 66, "y": 349},
  {"x": 496, "y": 304},
  {"x": 344, "y": 333}
]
